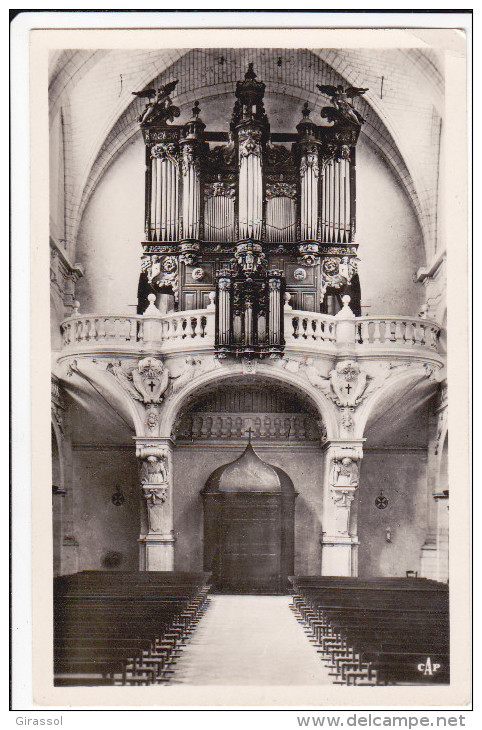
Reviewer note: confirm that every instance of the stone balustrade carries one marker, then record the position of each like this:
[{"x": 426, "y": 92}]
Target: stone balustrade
[
  {"x": 194, "y": 330},
  {"x": 401, "y": 331},
  {"x": 282, "y": 426}
]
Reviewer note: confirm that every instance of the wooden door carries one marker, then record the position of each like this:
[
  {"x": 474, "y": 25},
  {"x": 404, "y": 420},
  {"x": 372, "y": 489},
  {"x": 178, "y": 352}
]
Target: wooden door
[{"x": 249, "y": 550}]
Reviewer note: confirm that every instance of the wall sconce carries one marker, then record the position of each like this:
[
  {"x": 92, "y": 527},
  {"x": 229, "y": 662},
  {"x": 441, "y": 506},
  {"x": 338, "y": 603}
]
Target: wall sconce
[{"x": 388, "y": 534}]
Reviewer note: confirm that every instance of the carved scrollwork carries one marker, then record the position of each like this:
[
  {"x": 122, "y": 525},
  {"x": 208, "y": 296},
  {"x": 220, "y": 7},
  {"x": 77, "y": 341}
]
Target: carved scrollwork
[
  {"x": 280, "y": 190},
  {"x": 162, "y": 272},
  {"x": 163, "y": 151},
  {"x": 219, "y": 188}
]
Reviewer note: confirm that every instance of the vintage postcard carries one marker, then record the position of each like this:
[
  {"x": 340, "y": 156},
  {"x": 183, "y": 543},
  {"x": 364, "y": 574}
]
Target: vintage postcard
[{"x": 249, "y": 275}]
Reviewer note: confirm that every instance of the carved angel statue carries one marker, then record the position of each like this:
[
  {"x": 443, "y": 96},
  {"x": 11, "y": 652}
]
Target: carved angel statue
[
  {"x": 162, "y": 108},
  {"x": 123, "y": 377},
  {"x": 317, "y": 380},
  {"x": 345, "y": 473},
  {"x": 343, "y": 108}
]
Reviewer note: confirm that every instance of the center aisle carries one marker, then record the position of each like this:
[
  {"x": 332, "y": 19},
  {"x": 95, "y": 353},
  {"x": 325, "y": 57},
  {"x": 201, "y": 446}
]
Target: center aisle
[{"x": 249, "y": 640}]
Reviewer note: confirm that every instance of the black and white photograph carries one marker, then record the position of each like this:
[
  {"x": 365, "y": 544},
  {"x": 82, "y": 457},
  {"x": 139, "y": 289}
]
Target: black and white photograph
[{"x": 248, "y": 348}]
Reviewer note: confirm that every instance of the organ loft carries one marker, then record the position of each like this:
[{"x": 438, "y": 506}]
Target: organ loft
[{"x": 263, "y": 218}]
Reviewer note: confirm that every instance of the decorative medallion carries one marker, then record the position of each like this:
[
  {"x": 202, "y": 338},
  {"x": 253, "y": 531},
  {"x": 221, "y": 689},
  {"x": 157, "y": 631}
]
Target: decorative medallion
[
  {"x": 299, "y": 274},
  {"x": 381, "y": 502},
  {"x": 197, "y": 274},
  {"x": 118, "y": 498}
]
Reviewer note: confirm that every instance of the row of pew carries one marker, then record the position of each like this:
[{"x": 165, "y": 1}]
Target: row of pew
[
  {"x": 376, "y": 631},
  {"x": 124, "y": 628}
]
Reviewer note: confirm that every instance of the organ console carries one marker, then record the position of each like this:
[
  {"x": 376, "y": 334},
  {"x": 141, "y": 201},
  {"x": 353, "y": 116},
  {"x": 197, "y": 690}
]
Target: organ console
[{"x": 251, "y": 214}]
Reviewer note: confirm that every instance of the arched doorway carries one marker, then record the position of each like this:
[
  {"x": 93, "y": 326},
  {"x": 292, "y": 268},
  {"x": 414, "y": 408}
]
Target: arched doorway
[
  {"x": 211, "y": 430},
  {"x": 249, "y": 509}
]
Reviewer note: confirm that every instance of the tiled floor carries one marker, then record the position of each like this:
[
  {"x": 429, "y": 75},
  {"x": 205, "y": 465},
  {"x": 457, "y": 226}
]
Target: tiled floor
[{"x": 250, "y": 640}]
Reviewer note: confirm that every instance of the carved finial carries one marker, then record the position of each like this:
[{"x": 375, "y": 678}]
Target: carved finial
[
  {"x": 76, "y": 305},
  {"x": 249, "y": 435},
  {"x": 306, "y": 110},
  {"x": 287, "y": 305},
  {"x": 250, "y": 74},
  {"x": 345, "y": 312},
  {"x": 152, "y": 309},
  {"x": 196, "y": 110},
  {"x": 212, "y": 300}
]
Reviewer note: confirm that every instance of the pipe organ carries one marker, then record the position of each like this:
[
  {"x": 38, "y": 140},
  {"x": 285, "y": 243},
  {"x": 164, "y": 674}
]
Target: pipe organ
[{"x": 251, "y": 214}]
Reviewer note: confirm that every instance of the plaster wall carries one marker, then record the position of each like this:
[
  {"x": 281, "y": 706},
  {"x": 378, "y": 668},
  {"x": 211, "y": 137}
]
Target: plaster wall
[
  {"x": 101, "y": 527},
  {"x": 402, "y": 476},
  {"x": 390, "y": 239}
]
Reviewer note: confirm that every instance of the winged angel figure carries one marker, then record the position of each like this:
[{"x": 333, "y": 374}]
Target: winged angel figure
[
  {"x": 342, "y": 109},
  {"x": 161, "y": 109}
]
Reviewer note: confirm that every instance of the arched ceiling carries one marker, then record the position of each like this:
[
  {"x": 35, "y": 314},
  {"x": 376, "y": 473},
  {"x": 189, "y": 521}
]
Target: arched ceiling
[{"x": 403, "y": 107}]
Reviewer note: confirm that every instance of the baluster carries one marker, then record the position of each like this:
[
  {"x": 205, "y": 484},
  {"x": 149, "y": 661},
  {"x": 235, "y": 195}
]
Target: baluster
[
  {"x": 140, "y": 330},
  {"x": 198, "y": 330},
  {"x": 379, "y": 330},
  {"x": 434, "y": 337},
  {"x": 295, "y": 322},
  {"x": 131, "y": 335},
  {"x": 85, "y": 329},
  {"x": 316, "y": 326},
  {"x": 101, "y": 328},
  {"x": 400, "y": 331},
  {"x": 125, "y": 329},
  {"x": 332, "y": 331},
  {"x": 304, "y": 324},
  {"x": 410, "y": 333},
  {"x": 197, "y": 423},
  {"x": 177, "y": 323}
]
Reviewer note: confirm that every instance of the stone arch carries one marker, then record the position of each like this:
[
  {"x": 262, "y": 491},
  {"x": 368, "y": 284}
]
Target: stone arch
[
  {"x": 396, "y": 387},
  {"x": 107, "y": 383},
  {"x": 176, "y": 404}
]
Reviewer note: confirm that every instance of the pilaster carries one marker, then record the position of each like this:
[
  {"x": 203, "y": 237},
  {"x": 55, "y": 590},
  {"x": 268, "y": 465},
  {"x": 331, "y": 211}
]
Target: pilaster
[
  {"x": 156, "y": 541},
  {"x": 341, "y": 480}
]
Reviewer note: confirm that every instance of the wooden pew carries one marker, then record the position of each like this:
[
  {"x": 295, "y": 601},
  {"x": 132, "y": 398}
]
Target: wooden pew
[
  {"x": 123, "y": 628},
  {"x": 376, "y": 631}
]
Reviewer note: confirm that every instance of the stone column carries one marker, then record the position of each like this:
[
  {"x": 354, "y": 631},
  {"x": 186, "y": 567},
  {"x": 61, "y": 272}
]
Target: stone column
[
  {"x": 223, "y": 313},
  {"x": 341, "y": 478},
  {"x": 156, "y": 540}
]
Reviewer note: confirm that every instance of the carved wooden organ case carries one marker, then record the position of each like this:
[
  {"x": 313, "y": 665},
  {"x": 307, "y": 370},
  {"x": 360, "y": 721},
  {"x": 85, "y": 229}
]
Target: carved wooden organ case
[{"x": 258, "y": 217}]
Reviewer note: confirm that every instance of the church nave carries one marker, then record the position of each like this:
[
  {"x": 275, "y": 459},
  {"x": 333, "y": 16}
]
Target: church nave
[{"x": 249, "y": 640}]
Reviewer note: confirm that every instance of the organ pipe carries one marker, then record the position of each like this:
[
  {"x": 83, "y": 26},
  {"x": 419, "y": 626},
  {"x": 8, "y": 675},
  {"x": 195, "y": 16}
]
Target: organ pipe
[
  {"x": 309, "y": 172},
  {"x": 250, "y": 186}
]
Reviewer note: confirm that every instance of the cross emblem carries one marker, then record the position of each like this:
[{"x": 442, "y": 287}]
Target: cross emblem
[
  {"x": 348, "y": 388},
  {"x": 249, "y": 434},
  {"x": 152, "y": 385},
  {"x": 381, "y": 502}
]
